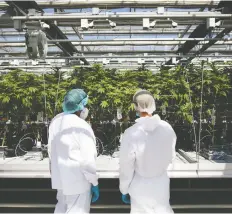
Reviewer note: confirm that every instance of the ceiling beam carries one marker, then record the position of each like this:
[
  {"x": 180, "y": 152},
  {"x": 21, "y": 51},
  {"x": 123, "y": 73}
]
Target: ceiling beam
[
  {"x": 51, "y": 53},
  {"x": 131, "y": 15},
  {"x": 122, "y": 3},
  {"x": 201, "y": 31},
  {"x": 75, "y": 29},
  {"x": 110, "y": 32},
  {"x": 122, "y": 57},
  {"x": 115, "y": 43},
  {"x": 226, "y": 8}
]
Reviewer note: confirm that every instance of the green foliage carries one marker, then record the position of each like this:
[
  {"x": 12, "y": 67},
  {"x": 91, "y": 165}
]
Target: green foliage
[
  {"x": 20, "y": 92},
  {"x": 109, "y": 89}
]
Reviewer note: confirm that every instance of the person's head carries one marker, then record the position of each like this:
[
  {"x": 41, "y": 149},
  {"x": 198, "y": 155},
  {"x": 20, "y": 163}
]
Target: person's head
[
  {"x": 144, "y": 103},
  {"x": 75, "y": 102}
]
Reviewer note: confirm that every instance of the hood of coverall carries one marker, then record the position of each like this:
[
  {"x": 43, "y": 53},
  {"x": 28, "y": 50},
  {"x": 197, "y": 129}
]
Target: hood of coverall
[{"x": 149, "y": 123}]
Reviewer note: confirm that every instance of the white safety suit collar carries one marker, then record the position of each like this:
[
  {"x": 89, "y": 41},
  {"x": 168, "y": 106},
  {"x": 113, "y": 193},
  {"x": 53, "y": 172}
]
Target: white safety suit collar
[{"x": 149, "y": 123}]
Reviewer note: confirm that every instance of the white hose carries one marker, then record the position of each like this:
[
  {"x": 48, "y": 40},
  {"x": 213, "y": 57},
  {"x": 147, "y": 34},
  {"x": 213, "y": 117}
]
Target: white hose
[{"x": 24, "y": 137}]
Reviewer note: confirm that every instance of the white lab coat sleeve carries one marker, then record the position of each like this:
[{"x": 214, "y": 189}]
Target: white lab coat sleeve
[
  {"x": 88, "y": 151},
  {"x": 127, "y": 162}
]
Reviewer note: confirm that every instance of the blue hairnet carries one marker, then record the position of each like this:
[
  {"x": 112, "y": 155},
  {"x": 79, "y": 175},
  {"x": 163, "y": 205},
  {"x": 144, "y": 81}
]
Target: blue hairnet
[{"x": 75, "y": 100}]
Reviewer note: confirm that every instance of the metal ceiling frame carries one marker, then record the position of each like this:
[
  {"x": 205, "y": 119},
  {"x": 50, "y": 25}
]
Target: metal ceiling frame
[
  {"x": 180, "y": 42},
  {"x": 111, "y": 32},
  {"x": 201, "y": 32},
  {"x": 122, "y": 56},
  {"x": 122, "y": 3},
  {"x": 130, "y": 15},
  {"x": 121, "y": 52}
]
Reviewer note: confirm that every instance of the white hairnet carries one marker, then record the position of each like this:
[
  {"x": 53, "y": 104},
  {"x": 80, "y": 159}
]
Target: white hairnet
[{"x": 144, "y": 101}]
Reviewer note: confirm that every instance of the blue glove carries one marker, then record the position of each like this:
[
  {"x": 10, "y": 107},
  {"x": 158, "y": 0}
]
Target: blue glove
[
  {"x": 95, "y": 193},
  {"x": 126, "y": 199}
]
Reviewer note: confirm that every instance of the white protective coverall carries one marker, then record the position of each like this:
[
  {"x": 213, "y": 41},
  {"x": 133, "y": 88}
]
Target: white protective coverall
[
  {"x": 147, "y": 149},
  {"x": 72, "y": 152}
]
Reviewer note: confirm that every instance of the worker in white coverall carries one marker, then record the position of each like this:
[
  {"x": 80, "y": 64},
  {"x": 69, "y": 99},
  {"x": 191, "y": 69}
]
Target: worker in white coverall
[
  {"x": 72, "y": 152},
  {"x": 147, "y": 149}
]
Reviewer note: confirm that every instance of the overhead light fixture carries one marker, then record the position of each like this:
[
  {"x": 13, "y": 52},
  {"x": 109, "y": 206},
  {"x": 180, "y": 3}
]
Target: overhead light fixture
[
  {"x": 5, "y": 63},
  {"x": 103, "y": 24},
  {"x": 76, "y": 60},
  {"x": 174, "y": 61},
  {"x": 112, "y": 24},
  {"x": 14, "y": 62},
  {"x": 115, "y": 61},
  {"x": 183, "y": 62},
  {"x": 85, "y": 24},
  {"x": 141, "y": 61},
  {"x": 43, "y": 62},
  {"x": 146, "y": 24},
  {"x": 160, "y": 10},
  {"x": 149, "y": 61},
  {"x": 105, "y": 61},
  {"x": 162, "y": 23},
  {"x": 95, "y": 10},
  {"x": 97, "y": 24},
  {"x": 211, "y": 23}
]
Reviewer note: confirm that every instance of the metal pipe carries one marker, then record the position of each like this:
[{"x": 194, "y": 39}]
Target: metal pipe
[
  {"x": 140, "y": 39},
  {"x": 35, "y": 68},
  {"x": 115, "y": 43},
  {"x": 111, "y": 43},
  {"x": 110, "y": 32},
  {"x": 222, "y": 51},
  {"x": 132, "y": 15},
  {"x": 119, "y": 67},
  {"x": 127, "y": 40},
  {"x": 125, "y": 56},
  {"x": 133, "y": 23},
  {"x": 122, "y": 3}
]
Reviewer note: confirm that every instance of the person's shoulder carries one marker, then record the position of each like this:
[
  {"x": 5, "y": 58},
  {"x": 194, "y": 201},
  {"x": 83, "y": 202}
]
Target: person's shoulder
[
  {"x": 164, "y": 125},
  {"x": 58, "y": 116},
  {"x": 80, "y": 123},
  {"x": 85, "y": 124},
  {"x": 133, "y": 131}
]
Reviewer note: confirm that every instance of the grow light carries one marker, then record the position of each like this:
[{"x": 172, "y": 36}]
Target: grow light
[
  {"x": 162, "y": 23},
  {"x": 97, "y": 24}
]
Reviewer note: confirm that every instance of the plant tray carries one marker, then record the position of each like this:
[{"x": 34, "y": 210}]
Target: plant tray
[
  {"x": 213, "y": 155},
  {"x": 186, "y": 156}
]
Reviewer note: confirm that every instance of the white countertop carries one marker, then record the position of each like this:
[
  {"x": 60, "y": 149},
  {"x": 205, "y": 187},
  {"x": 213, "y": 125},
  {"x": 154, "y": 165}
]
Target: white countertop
[{"x": 108, "y": 167}]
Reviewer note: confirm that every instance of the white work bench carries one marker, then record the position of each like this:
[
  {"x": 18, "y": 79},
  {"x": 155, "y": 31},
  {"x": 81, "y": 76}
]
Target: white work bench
[{"x": 108, "y": 167}]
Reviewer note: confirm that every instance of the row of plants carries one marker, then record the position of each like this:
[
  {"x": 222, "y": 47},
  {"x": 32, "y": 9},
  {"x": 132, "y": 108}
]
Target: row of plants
[{"x": 183, "y": 95}]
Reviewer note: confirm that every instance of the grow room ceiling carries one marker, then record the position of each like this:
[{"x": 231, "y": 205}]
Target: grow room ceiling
[{"x": 117, "y": 33}]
